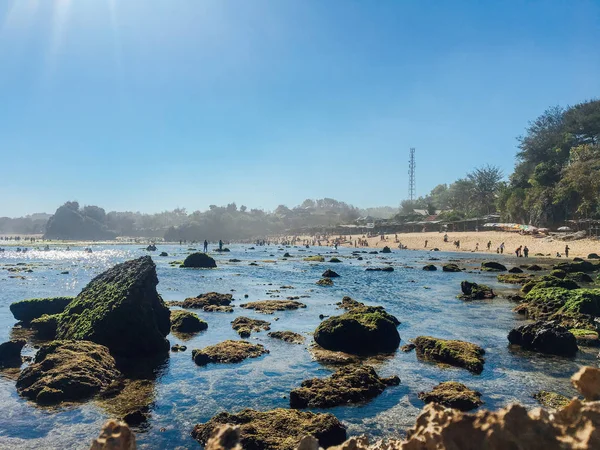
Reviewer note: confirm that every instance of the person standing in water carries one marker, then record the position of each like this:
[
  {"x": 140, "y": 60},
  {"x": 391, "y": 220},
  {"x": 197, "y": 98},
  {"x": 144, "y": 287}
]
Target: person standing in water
[
  {"x": 220, "y": 245},
  {"x": 526, "y": 252},
  {"x": 205, "y": 246},
  {"x": 567, "y": 251}
]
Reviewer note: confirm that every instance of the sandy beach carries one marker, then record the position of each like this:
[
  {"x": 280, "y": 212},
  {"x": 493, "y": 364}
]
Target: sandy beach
[{"x": 546, "y": 245}]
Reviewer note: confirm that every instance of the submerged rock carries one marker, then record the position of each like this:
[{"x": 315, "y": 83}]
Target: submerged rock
[
  {"x": 361, "y": 330},
  {"x": 277, "y": 429},
  {"x": 120, "y": 309},
  {"x": 514, "y": 278},
  {"x": 244, "y": 325},
  {"x": 114, "y": 436},
  {"x": 333, "y": 358},
  {"x": 349, "y": 303},
  {"x": 546, "y": 337},
  {"x": 453, "y": 395},
  {"x": 199, "y": 261},
  {"x": 27, "y": 310},
  {"x": 228, "y": 352},
  {"x": 316, "y": 258},
  {"x": 455, "y": 353},
  {"x": 380, "y": 269},
  {"x": 492, "y": 266},
  {"x": 287, "y": 336},
  {"x": 329, "y": 274},
  {"x": 474, "y": 291},
  {"x": 325, "y": 282},
  {"x": 347, "y": 385},
  {"x": 10, "y": 353},
  {"x": 186, "y": 322},
  {"x": 68, "y": 371},
  {"x": 270, "y": 306},
  {"x": 450, "y": 268},
  {"x": 208, "y": 299},
  {"x": 430, "y": 268},
  {"x": 514, "y": 270},
  {"x": 551, "y": 399}
]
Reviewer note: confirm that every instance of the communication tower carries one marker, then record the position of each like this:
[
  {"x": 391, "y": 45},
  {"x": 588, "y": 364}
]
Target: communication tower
[{"x": 411, "y": 175}]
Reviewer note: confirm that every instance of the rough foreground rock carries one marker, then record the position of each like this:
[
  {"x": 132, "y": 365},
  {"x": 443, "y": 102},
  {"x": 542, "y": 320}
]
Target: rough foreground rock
[
  {"x": 454, "y": 353},
  {"x": 114, "y": 436},
  {"x": 186, "y": 322},
  {"x": 361, "y": 330},
  {"x": 120, "y": 309},
  {"x": 68, "y": 371},
  {"x": 228, "y": 352},
  {"x": 27, "y": 310},
  {"x": 270, "y": 306},
  {"x": 351, "y": 384},
  {"x": 545, "y": 337},
  {"x": 453, "y": 395},
  {"x": 277, "y": 429}
]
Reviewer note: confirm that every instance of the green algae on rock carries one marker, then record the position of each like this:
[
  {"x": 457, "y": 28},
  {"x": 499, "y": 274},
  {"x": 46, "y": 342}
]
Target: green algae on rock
[
  {"x": 45, "y": 326},
  {"x": 287, "y": 336},
  {"x": 228, "y": 352},
  {"x": 199, "y": 261},
  {"x": 325, "y": 282},
  {"x": 453, "y": 395},
  {"x": 548, "y": 281},
  {"x": 454, "y": 353},
  {"x": 474, "y": 291},
  {"x": 352, "y": 384},
  {"x": 186, "y": 322},
  {"x": 27, "y": 310},
  {"x": 208, "y": 299},
  {"x": 450, "y": 267},
  {"x": 244, "y": 326},
  {"x": 493, "y": 266},
  {"x": 551, "y": 399},
  {"x": 120, "y": 309},
  {"x": 68, "y": 371},
  {"x": 270, "y": 306},
  {"x": 513, "y": 278},
  {"x": 361, "y": 330},
  {"x": 277, "y": 429}
]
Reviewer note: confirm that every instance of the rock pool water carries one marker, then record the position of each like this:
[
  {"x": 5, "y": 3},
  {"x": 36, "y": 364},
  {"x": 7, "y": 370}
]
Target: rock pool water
[{"x": 184, "y": 394}]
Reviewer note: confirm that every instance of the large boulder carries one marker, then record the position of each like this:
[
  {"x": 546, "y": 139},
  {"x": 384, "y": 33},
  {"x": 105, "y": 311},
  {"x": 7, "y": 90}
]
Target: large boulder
[
  {"x": 199, "y": 261},
  {"x": 10, "y": 353},
  {"x": 27, "y": 310},
  {"x": 120, "y": 309},
  {"x": 277, "y": 429},
  {"x": 451, "y": 352},
  {"x": 68, "y": 371},
  {"x": 351, "y": 384},
  {"x": 186, "y": 322},
  {"x": 453, "y": 395},
  {"x": 474, "y": 291},
  {"x": 545, "y": 337},
  {"x": 227, "y": 352},
  {"x": 493, "y": 266},
  {"x": 361, "y": 330}
]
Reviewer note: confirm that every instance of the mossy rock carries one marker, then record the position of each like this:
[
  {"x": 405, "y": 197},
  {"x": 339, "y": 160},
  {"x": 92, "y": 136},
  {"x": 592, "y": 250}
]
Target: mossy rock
[
  {"x": 453, "y": 395},
  {"x": 515, "y": 270},
  {"x": 228, "y": 352},
  {"x": 353, "y": 384},
  {"x": 199, "y": 261},
  {"x": 454, "y": 353},
  {"x": 244, "y": 326},
  {"x": 551, "y": 400},
  {"x": 287, "y": 336},
  {"x": 120, "y": 309},
  {"x": 593, "y": 256},
  {"x": 330, "y": 274},
  {"x": 583, "y": 301},
  {"x": 514, "y": 278},
  {"x": 430, "y": 268},
  {"x": 581, "y": 277},
  {"x": 270, "y": 306},
  {"x": 316, "y": 258},
  {"x": 335, "y": 260},
  {"x": 186, "y": 322},
  {"x": 474, "y": 291},
  {"x": 208, "y": 299},
  {"x": 325, "y": 282},
  {"x": 10, "y": 353},
  {"x": 45, "y": 326},
  {"x": 577, "y": 266},
  {"x": 585, "y": 337},
  {"x": 548, "y": 281},
  {"x": 557, "y": 273},
  {"x": 386, "y": 249},
  {"x": 27, "y": 310},
  {"x": 362, "y": 330},
  {"x": 451, "y": 268},
  {"x": 349, "y": 303},
  {"x": 545, "y": 337},
  {"x": 68, "y": 371},
  {"x": 535, "y": 268},
  {"x": 492, "y": 266},
  {"x": 277, "y": 429}
]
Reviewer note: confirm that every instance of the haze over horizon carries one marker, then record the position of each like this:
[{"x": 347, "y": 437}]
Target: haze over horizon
[{"x": 132, "y": 106}]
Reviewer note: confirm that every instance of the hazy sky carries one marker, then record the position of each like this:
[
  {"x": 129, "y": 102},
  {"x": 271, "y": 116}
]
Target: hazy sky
[{"x": 149, "y": 105}]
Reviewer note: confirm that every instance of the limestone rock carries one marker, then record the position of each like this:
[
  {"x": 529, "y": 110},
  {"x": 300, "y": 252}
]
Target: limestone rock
[{"x": 451, "y": 352}]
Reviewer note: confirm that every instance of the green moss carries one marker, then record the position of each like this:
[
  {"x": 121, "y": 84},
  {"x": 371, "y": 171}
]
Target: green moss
[
  {"x": 551, "y": 399},
  {"x": 455, "y": 353},
  {"x": 548, "y": 281},
  {"x": 577, "y": 332},
  {"x": 45, "y": 326},
  {"x": 27, "y": 310},
  {"x": 186, "y": 322},
  {"x": 583, "y": 301},
  {"x": 325, "y": 282},
  {"x": 513, "y": 278},
  {"x": 453, "y": 395}
]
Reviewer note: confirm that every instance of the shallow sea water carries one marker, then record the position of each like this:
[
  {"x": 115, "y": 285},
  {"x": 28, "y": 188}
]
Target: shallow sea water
[{"x": 183, "y": 394}]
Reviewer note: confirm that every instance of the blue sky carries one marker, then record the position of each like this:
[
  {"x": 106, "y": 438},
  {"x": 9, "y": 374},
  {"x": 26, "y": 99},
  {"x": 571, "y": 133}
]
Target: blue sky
[{"x": 148, "y": 105}]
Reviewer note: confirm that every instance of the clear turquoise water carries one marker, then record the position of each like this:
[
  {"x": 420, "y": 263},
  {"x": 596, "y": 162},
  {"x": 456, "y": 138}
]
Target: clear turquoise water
[{"x": 185, "y": 394}]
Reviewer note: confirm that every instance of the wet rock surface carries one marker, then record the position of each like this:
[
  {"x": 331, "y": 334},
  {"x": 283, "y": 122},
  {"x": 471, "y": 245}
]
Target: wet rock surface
[
  {"x": 114, "y": 435},
  {"x": 474, "y": 291},
  {"x": 453, "y": 395},
  {"x": 277, "y": 429},
  {"x": 352, "y": 384},
  {"x": 271, "y": 306},
  {"x": 492, "y": 266},
  {"x": 199, "y": 261},
  {"x": 203, "y": 301},
  {"x": 186, "y": 322},
  {"x": 27, "y": 310},
  {"x": 10, "y": 353},
  {"x": 452, "y": 352},
  {"x": 228, "y": 352},
  {"x": 450, "y": 268},
  {"x": 68, "y": 371},
  {"x": 545, "y": 337},
  {"x": 551, "y": 400},
  {"x": 120, "y": 309},
  {"x": 329, "y": 274},
  {"x": 325, "y": 282},
  {"x": 287, "y": 336},
  {"x": 245, "y": 326}
]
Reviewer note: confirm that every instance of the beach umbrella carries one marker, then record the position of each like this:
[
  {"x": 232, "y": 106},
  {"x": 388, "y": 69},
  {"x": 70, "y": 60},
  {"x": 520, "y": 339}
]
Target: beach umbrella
[{"x": 564, "y": 229}]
